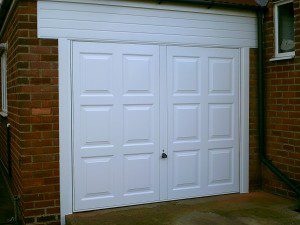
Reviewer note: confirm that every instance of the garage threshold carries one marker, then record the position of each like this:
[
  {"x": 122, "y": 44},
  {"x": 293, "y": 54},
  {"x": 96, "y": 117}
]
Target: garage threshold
[{"x": 244, "y": 209}]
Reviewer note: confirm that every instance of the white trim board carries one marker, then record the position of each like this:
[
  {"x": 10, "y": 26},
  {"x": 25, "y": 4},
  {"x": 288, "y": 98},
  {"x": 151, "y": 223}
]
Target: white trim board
[
  {"x": 65, "y": 128},
  {"x": 158, "y": 24},
  {"x": 244, "y": 120}
]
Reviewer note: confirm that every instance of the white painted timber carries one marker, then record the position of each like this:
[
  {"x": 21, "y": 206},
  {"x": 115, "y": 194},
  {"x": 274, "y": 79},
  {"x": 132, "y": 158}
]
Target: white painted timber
[
  {"x": 244, "y": 118},
  {"x": 151, "y": 23},
  {"x": 129, "y": 107},
  {"x": 65, "y": 128},
  {"x": 203, "y": 124},
  {"x": 116, "y": 124}
]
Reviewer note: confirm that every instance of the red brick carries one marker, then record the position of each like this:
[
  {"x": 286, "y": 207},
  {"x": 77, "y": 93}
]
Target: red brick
[
  {"x": 33, "y": 102},
  {"x": 41, "y": 111}
]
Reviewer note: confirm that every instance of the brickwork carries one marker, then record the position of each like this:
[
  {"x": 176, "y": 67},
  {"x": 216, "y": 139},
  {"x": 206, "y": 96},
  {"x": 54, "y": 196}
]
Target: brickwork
[
  {"x": 39, "y": 120},
  {"x": 10, "y": 37},
  {"x": 33, "y": 114},
  {"x": 4, "y": 158},
  {"x": 282, "y": 109}
]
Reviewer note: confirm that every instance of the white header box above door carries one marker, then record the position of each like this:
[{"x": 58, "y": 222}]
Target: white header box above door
[{"x": 133, "y": 21}]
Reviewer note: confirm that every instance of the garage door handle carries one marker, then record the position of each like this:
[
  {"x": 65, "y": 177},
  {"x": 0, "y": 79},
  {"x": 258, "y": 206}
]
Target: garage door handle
[{"x": 164, "y": 156}]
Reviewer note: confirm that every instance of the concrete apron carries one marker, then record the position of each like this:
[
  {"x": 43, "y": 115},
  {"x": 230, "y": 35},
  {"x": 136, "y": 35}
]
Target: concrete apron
[{"x": 257, "y": 208}]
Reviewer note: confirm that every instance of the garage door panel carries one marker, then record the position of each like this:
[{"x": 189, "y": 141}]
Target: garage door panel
[
  {"x": 137, "y": 75},
  {"x": 221, "y": 76},
  {"x": 223, "y": 68},
  {"x": 186, "y": 169},
  {"x": 221, "y": 121},
  {"x": 138, "y": 124},
  {"x": 96, "y": 73},
  {"x": 223, "y": 178},
  {"x": 101, "y": 134},
  {"x": 90, "y": 189},
  {"x": 187, "y": 122},
  {"x": 117, "y": 123},
  {"x": 138, "y": 174},
  {"x": 95, "y": 187},
  {"x": 220, "y": 166},
  {"x": 186, "y": 76}
]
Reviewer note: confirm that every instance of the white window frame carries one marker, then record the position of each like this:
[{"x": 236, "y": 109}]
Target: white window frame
[
  {"x": 285, "y": 55},
  {"x": 3, "y": 55}
]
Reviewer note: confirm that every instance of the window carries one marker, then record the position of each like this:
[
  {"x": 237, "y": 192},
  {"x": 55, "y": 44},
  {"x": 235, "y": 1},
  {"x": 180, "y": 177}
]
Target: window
[
  {"x": 284, "y": 29},
  {"x": 3, "y": 54}
]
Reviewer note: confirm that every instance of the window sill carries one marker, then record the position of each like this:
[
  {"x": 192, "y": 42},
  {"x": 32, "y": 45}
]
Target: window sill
[
  {"x": 3, "y": 114},
  {"x": 278, "y": 58}
]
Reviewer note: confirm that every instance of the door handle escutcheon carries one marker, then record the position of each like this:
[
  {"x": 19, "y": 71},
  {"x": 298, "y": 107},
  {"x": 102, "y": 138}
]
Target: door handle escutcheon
[{"x": 164, "y": 155}]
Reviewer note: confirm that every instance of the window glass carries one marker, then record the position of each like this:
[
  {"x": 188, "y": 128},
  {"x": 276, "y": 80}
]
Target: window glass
[
  {"x": 3, "y": 82},
  {"x": 286, "y": 28}
]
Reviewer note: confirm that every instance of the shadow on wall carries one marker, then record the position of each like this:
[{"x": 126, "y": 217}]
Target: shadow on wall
[{"x": 6, "y": 205}]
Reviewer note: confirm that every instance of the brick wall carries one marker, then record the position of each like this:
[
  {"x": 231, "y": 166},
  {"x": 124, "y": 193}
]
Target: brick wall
[
  {"x": 282, "y": 109},
  {"x": 38, "y": 76},
  {"x": 10, "y": 36},
  {"x": 33, "y": 114},
  {"x": 3, "y": 144}
]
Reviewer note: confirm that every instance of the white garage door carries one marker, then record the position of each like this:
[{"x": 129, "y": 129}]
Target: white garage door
[{"x": 120, "y": 128}]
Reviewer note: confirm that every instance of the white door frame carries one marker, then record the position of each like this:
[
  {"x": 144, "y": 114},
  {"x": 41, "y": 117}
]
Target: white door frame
[{"x": 66, "y": 127}]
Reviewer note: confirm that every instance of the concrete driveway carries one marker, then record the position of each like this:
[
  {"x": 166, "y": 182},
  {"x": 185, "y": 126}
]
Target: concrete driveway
[{"x": 257, "y": 208}]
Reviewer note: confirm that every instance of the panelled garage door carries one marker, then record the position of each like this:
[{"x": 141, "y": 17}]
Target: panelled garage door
[{"x": 153, "y": 123}]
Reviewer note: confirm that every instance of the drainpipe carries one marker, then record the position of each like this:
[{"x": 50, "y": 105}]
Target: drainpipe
[
  {"x": 260, "y": 82},
  {"x": 261, "y": 108}
]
